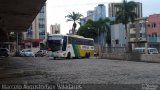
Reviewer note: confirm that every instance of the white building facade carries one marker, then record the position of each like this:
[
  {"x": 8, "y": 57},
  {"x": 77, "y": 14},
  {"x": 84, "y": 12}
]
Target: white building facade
[
  {"x": 138, "y": 33},
  {"x": 55, "y": 29},
  {"x": 37, "y": 32},
  {"x": 118, "y": 35}
]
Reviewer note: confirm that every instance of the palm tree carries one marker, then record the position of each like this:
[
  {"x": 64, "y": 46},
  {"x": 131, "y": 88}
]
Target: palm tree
[
  {"x": 126, "y": 14},
  {"x": 75, "y": 17},
  {"x": 103, "y": 26}
]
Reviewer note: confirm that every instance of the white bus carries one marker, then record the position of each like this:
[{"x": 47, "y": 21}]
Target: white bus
[{"x": 70, "y": 46}]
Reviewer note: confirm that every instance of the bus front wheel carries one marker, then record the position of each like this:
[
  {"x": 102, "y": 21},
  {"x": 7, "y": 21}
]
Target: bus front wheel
[{"x": 69, "y": 55}]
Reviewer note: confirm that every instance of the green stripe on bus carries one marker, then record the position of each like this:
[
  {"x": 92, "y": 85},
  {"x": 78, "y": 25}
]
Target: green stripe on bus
[{"x": 76, "y": 50}]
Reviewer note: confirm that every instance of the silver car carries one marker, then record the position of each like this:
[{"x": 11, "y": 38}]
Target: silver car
[
  {"x": 41, "y": 53},
  {"x": 26, "y": 53}
]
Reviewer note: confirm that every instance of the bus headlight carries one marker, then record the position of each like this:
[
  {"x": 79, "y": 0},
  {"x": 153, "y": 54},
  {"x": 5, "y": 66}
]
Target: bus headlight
[{"x": 64, "y": 54}]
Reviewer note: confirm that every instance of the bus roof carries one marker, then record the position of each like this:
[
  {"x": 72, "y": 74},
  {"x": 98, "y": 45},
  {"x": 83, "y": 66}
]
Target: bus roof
[
  {"x": 77, "y": 36},
  {"x": 56, "y": 35}
]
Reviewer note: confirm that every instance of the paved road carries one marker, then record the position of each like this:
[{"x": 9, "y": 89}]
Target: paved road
[{"x": 27, "y": 70}]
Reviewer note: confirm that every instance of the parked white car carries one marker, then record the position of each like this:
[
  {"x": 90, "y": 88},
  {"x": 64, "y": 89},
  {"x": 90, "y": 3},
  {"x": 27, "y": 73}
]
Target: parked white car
[
  {"x": 26, "y": 53},
  {"x": 149, "y": 50}
]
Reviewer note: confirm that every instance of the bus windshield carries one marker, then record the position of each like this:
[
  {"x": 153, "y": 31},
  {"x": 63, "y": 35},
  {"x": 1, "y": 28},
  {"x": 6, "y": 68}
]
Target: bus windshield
[{"x": 54, "y": 42}]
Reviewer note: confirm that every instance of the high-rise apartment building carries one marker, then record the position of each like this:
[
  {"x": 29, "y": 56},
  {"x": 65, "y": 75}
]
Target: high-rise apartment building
[
  {"x": 55, "y": 29},
  {"x": 99, "y": 12},
  {"x": 95, "y": 15},
  {"x": 112, "y": 9},
  {"x": 37, "y": 32}
]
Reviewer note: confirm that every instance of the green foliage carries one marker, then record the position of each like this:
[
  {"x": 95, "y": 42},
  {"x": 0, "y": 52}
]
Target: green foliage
[
  {"x": 92, "y": 28},
  {"x": 126, "y": 12},
  {"x": 88, "y": 30},
  {"x": 13, "y": 36},
  {"x": 75, "y": 18}
]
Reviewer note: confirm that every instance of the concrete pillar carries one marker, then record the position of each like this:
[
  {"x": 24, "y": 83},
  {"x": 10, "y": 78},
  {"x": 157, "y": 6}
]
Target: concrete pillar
[
  {"x": 133, "y": 46},
  {"x": 146, "y": 46},
  {"x": 99, "y": 51}
]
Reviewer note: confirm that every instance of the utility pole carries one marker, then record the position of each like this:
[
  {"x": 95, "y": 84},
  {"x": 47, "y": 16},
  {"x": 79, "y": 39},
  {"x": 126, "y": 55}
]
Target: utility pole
[{"x": 98, "y": 36}]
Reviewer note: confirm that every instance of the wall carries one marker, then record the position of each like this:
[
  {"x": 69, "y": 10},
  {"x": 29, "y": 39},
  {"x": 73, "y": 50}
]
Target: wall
[
  {"x": 132, "y": 57},
  {"x": 112, "y": 56}
]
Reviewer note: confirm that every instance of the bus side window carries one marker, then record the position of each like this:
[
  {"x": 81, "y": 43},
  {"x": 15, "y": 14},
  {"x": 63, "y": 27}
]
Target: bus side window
[
  {"x": 69, "y": 40},
  {"x": 64, "y": 43}
]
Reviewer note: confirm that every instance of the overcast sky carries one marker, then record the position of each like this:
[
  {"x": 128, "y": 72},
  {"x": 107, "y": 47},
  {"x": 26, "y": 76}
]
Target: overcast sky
[{"x": 58, "y": 9}]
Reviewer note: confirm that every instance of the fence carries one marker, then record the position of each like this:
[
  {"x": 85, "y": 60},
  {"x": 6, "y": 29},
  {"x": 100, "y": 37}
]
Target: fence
[
  {"x": 119, "y": 53},
  {"x": 113, "y": 49}
]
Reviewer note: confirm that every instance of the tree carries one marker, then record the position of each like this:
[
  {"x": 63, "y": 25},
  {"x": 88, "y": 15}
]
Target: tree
[
  {"x": 93, "y": 29},
  {"x": 75, "y": 17},
  {"x": 88, "y": 30},
  {"x": 126, "y": 14},
  {"x": 103, "y": 26},
  {"x": 13, "y": 36}
]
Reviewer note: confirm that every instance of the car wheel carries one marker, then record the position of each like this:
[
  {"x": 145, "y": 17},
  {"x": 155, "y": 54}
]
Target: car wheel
[{"x": 41, "y": 55}]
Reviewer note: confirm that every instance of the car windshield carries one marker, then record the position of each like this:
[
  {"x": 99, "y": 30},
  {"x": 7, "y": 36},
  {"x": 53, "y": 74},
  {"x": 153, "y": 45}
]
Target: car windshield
[
  {"x": 153, "y": 50},
  {"x": 28, "y": 50}
]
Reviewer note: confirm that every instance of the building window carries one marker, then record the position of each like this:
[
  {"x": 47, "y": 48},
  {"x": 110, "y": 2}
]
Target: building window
[
  {"x": 154, "y": 25},
  {"x": 117, "y": 41},
  {"x": 41, "y": 33},
  {"x": 41, "y": 19},
  {"x": 132, "y": 25},
  {"x": 148, "y": 25},
  {"x": 140, "y": 35},
  {"x": 41, "y": 26},
  {"x": 154, "y": 34},
  {"x": 149, "y": 35},
  {"x": 133, "y": 35}
]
